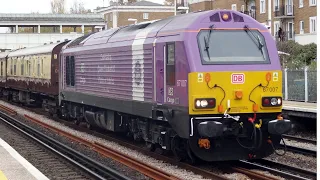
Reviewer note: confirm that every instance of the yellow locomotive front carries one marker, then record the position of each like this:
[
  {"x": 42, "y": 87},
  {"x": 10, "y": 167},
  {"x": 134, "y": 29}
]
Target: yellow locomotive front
[{"x": 235, "y": 92}]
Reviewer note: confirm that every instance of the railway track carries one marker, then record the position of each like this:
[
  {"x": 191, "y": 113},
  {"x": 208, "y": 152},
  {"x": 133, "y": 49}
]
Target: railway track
[
  {"x": 300, "y": 150},
  {"x": 205, "y": 173},
  {"x": 81, "y": 162},
  {"x": 299, "y": 139},
  {"x": 283, "y": 170}
]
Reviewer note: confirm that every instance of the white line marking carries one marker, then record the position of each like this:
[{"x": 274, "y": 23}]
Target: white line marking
[
  {"x": 293, "y": 108},
  {"x": 29, "y": 167}
]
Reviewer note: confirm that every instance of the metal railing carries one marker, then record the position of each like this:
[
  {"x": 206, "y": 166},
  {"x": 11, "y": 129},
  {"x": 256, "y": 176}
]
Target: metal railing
[
  {"x": 284, "y": 10},
  {"x": 300, "y": 85}
]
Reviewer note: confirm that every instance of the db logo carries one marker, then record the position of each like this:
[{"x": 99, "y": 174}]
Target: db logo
[{"x": 237, "y": 78}]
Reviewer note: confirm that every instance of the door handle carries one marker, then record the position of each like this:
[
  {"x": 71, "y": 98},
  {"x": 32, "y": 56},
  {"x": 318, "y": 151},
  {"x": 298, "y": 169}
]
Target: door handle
[
  {"x": 161, "y": 90},
  {"x": 161, "y": 70}
]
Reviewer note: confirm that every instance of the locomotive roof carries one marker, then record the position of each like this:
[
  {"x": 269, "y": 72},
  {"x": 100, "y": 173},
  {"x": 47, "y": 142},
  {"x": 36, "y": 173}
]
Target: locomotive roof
[
  {"x": 34, "y": 50},
  {"x": 172, "y": 25}
]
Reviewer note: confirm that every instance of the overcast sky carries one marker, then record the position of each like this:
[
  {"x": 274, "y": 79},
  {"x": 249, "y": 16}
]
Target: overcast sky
[{"x": 43, "y": 6}]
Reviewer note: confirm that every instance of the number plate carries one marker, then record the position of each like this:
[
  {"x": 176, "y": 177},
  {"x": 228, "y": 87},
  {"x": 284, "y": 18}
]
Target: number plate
[{"x": 237, "y": 78}]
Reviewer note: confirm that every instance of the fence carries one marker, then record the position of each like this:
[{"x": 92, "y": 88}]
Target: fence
[{"x": 300, "y": 85}]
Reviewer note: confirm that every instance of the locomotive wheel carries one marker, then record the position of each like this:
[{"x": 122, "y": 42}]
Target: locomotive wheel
[
  {"x": 150, "y": 146},
  {"x": 159, "y": 150},
  {"x": 178, "y": 148},
  {"x": 89, "y": 126},
  {"x": 191, "y": 158},
  {"x": 77, "y": 121}
]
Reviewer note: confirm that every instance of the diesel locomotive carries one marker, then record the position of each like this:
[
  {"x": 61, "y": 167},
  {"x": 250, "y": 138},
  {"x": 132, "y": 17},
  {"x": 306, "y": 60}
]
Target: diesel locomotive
[{"x": 203, "y": 85}]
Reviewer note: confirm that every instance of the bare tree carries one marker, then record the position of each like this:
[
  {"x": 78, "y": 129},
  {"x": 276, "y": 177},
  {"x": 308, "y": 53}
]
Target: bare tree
[
  {"x": 78, "y": 8},
  {"x": 58, "y": 6},
  {"x": 169, "y": 2}
]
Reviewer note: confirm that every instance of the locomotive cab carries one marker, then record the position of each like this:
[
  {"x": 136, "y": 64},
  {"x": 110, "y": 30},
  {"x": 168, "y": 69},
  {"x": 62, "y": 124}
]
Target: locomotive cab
[{"x": 235, "y": 90}]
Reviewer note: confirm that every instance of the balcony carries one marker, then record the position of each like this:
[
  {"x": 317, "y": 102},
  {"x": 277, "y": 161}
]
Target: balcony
[
  {"x": 251, "y": 13},
  {"x": 284, "y": 11}
]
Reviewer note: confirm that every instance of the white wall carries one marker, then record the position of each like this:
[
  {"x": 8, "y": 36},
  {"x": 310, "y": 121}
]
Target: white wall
[
  {"x": 306, "y": 38},
  {"x": 14, "y": 41}
]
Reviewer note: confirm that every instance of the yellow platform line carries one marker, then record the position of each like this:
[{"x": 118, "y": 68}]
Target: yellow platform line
[{"x": 2, "y": 176}]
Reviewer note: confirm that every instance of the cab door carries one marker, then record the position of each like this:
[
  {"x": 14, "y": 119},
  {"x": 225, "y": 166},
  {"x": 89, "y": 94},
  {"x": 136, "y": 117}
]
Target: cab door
[{"x": 159, "y": 76}]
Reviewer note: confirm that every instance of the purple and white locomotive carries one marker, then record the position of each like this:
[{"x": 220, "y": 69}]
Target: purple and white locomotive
[{"x": 203, "y": 85}]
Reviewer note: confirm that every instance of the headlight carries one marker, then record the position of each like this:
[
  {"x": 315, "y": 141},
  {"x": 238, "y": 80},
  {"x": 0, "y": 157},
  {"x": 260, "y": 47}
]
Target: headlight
[
  {"x": 205, "y": 103},
  {"x": 271, "y": 101}
]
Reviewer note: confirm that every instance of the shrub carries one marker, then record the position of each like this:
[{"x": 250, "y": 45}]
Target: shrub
[{"x": 300, "y": 55}]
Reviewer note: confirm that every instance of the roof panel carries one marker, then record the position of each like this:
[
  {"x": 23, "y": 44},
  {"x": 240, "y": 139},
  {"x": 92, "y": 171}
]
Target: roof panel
[
  {"x": 3, "y": 54},
  {"x": 34, "y": 50}
]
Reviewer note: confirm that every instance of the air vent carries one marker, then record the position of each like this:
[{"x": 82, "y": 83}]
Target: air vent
[
  {"x": 237, "y": 18},
  {"x": 215, "y": 18}
]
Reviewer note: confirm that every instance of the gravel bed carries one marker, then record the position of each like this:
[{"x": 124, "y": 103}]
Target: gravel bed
[
  {"x": 296, "y": 160},
  {"x": 300, "y": 144},
  {"x": 179, "y": 172},
  {"x": 307, "y": 135},
  {"x": 268, "y": 174}
]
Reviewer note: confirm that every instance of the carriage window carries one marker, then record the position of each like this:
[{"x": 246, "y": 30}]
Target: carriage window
[
  {"x": 29, "y": 64},
  {"x": 67, "y": 71},
  {"x": 38, "y": 68},
  {"x": 15, "y": 67},
  {"x": 170, "y": 64},
  {"x": 1, "y": 68},
  {"x": 42, "y": 66},
  {"x": 11, "y": 65},
  {"x": 72, "y": 71},
  {"x": 22, "y": 68}
]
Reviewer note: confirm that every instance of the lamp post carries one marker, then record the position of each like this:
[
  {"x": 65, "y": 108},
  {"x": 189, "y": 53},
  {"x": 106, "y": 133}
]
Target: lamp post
[{"x": 134, "y": 20}]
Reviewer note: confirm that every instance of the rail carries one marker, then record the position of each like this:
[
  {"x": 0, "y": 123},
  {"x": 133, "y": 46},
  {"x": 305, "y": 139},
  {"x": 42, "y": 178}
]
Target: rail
[{"x": 85, "y": 163}]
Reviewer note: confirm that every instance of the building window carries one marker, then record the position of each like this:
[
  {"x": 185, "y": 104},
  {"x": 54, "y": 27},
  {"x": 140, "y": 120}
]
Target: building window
[
  {"x": 312, "y": 2},
  {"x": 313, "y": 24},
  {"x": 301, "y": 27},
  {"x": 170, "y": 64},
  {"x": 262, "y": 6},
  {"x": 234, "y": 7},
  {"x": 145, "y": 15},
  {"x": 300, "y": 3},
  {"x": 111, "y": 17},
  {"x": 242, "y": 8},
  {"x": 276, "y": 5}
]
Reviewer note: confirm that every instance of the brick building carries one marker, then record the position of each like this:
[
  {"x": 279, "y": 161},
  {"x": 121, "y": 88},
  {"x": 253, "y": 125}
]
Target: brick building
[
  {"x": 298, "y": 18},
  {"x": 121, "y": 15}
]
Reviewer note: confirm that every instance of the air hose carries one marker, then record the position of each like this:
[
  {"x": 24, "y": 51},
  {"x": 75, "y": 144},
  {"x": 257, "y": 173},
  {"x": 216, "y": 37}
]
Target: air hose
[
  {"x": 285, "y": 147},
  {"x": 256, "y": 127}
]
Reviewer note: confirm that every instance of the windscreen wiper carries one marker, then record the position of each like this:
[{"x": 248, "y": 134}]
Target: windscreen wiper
[
  {"x": 257, "y": 38},
  {"x": 206, "y": 41}
]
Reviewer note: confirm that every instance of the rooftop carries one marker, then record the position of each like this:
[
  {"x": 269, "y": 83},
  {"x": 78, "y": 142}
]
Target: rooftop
[{"x": 52, "y": 17}]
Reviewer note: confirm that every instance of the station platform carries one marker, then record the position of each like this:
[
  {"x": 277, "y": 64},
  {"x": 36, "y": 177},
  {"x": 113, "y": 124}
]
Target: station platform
[
  {"x": 301, "y": 109},
  {"x": 14, "y": 167}
]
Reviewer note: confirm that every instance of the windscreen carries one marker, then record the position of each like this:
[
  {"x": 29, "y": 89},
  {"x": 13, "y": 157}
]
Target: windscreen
[{"x": 232, "y": 47}]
